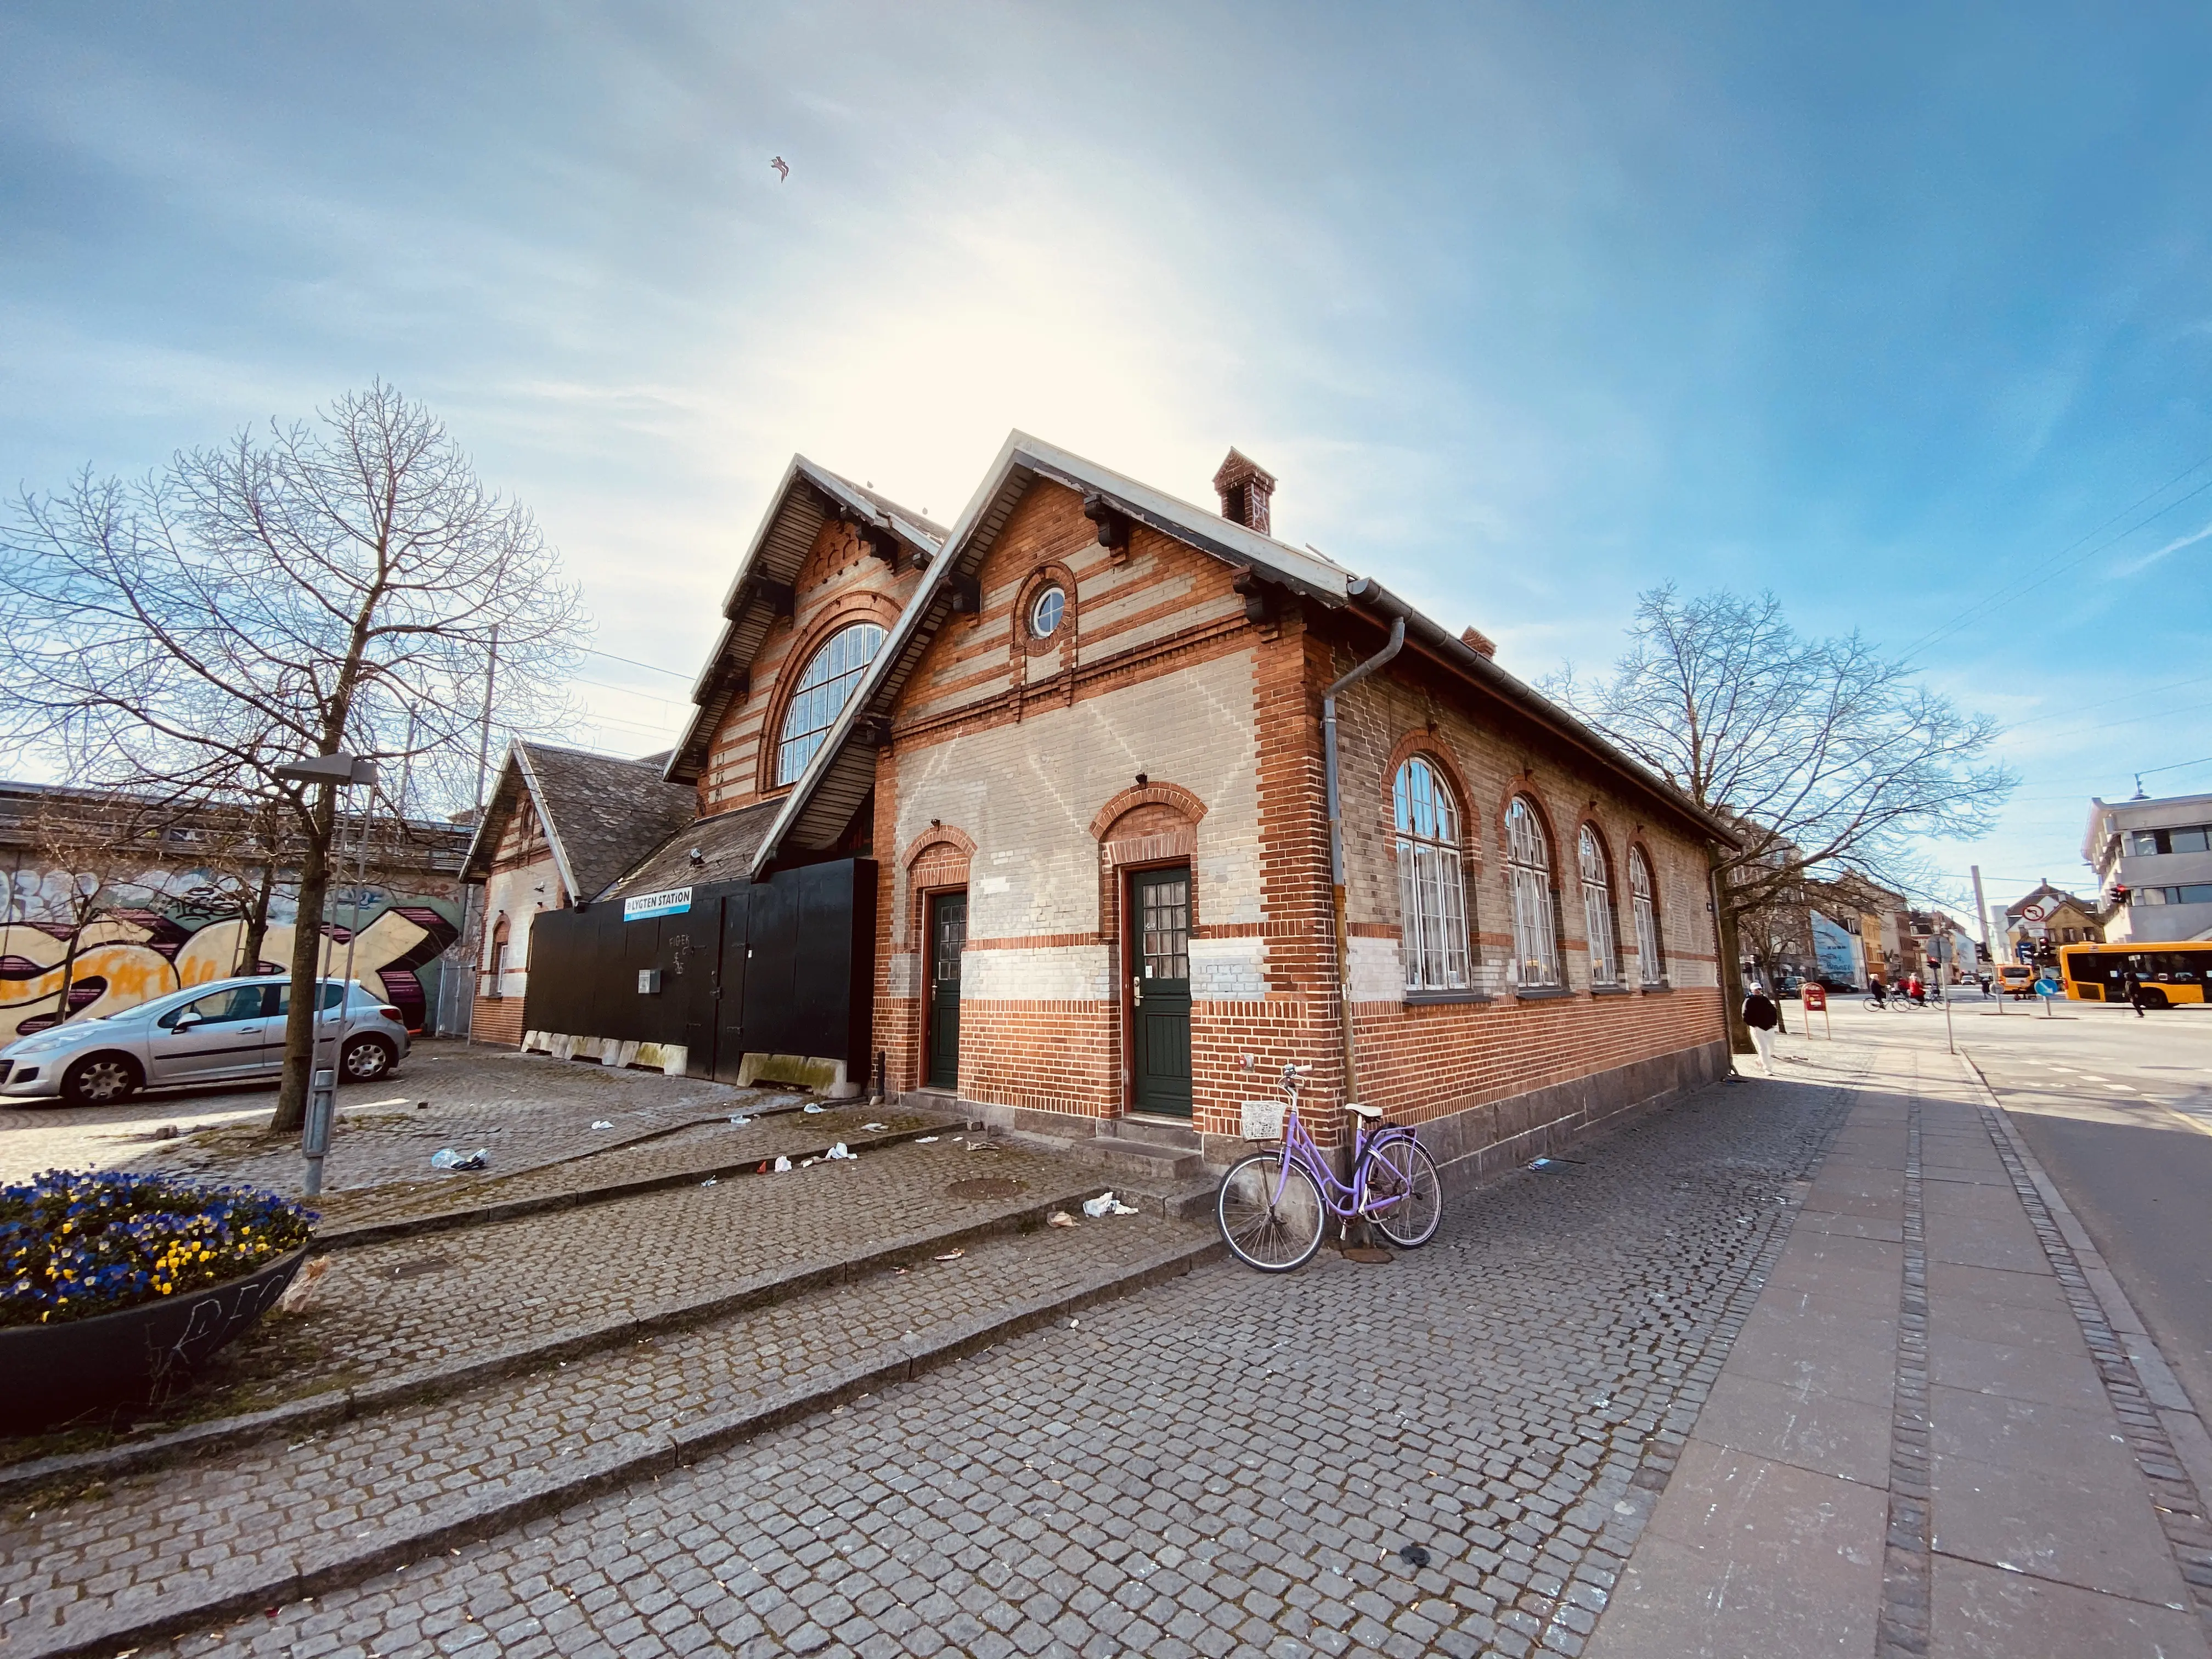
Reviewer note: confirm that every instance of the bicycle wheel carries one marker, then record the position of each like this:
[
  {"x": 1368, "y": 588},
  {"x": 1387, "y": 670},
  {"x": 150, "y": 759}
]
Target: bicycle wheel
[
  {"x": 1405, "y": 1199},
  {"x": 1273, "y": 1234}
]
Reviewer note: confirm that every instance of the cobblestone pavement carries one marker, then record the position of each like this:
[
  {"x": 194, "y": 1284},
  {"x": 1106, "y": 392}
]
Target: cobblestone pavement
[
  {"x": 1452, "y": 1452},
  {"x": 424, "y": 1305},
  {"x": 179, "y": 1531},
  {"x": 777, "y": 1125},
  {"x": 527, "y": 1110}
]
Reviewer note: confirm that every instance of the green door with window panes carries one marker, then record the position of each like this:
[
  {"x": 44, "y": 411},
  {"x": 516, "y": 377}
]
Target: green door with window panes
[
  {"x": 1159, "y": 991},
  {"x": 948, "y": 938}
]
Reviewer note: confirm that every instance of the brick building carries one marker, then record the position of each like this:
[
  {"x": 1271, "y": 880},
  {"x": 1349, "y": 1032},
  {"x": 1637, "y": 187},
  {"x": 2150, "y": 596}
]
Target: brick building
[{"x": 1076, "y": 742}]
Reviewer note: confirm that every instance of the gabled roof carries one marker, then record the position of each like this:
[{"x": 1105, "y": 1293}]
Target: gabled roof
[
  {"x": 838, "y": 779},
  {"x": 823, "y": 802},
  {"x": 601, "y": 812},
  {"x": 808, "y": 496}
]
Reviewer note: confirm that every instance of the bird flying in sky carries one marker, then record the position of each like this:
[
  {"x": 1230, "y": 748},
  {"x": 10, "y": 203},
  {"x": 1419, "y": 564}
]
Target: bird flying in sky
[{"x": 782, "y": 167}]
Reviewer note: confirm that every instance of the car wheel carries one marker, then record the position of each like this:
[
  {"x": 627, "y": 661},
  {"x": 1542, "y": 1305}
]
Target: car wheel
[
  {"x": 100, "y": 1081},
  {"x": 367, "y": 1058}
]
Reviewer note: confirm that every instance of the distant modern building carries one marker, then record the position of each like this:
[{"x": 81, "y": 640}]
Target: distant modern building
[{"x": 2160, "y": 851}]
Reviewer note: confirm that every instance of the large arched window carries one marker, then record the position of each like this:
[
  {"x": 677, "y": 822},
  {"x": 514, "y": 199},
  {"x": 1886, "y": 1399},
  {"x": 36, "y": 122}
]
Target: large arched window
[
  {"x": 1650, "y": 966},
  {"x": 1431, "y": 897},
  {"x": 1597, "y": 910},
  {"x": 831, "y": 677},
  {"x": 1528, "y": 870}
]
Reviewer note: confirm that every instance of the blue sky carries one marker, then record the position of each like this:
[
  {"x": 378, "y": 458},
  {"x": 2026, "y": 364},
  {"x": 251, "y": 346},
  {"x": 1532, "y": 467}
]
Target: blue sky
[{"x": 1530, "y": 306}]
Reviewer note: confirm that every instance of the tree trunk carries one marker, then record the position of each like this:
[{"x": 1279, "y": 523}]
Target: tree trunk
[
  {"x": 307, "y": 962},
  {"x": 256, "y": 921},
  {"x": 1731, "y": 964}
]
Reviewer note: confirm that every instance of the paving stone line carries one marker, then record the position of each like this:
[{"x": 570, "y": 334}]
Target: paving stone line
[
  {"x": 1901, "y": 1627},
  {"x": 427, "y": 1383},
  {"x": 486, "y": 1506},
  {"x": 2174, "y": 1497}
]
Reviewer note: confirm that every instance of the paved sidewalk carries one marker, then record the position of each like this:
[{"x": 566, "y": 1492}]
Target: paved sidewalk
[{"x": 1931, "y": 1436}]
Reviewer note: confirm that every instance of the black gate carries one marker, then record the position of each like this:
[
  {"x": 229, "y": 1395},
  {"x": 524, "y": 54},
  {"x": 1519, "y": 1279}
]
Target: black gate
[{"x": 783, "y": 967}]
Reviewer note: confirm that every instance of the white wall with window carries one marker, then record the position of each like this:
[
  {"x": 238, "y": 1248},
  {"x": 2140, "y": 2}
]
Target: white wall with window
[
  {"x": 1651, "y": 964},
  {"x": 1431, "y": 885},
  {"x": 829, "y": 679},
  {"x": 1528, "y": 874},
  {"x": 1597, "y": 909}
]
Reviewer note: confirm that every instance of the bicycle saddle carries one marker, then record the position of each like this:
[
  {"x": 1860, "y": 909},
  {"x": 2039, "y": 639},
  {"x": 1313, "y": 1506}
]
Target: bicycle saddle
[{"x": 1372, "y": 1113}]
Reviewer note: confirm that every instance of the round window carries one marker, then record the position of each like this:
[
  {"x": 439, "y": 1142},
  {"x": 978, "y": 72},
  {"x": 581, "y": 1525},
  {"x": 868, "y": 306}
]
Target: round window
[{"x": 1045, "y": 612}]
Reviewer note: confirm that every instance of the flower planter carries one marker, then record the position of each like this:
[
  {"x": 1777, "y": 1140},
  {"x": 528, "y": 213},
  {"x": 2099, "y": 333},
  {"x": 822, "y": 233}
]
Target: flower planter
[{"x": 141, "y": 1356}]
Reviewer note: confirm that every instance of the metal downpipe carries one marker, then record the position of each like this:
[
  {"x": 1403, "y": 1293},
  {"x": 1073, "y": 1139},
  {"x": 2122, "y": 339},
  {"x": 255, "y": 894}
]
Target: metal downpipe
[{"x": 1336, "y": 843}]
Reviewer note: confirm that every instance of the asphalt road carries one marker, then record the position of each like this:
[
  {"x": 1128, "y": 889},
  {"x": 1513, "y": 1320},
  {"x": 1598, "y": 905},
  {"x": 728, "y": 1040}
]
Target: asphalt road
[{"x": 2119, "y": 1111}]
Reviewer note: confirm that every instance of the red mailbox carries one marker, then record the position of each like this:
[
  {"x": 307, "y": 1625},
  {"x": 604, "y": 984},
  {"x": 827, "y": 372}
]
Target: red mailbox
[{"x": 1815, "y": 997}]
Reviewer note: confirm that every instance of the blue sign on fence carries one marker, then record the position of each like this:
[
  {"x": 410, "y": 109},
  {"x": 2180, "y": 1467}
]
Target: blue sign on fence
[{"x": 673, "y": 902}]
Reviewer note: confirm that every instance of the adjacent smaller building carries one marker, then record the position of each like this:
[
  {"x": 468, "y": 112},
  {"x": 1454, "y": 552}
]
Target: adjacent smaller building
[
  {"x": 2154, "y": 861},
  {"x": 2048, "y": 917},
  {"x": 561, "y": 824}
]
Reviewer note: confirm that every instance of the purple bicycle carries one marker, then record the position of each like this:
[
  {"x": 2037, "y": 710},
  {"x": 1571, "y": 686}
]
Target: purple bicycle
[{"x": 1273, "y": 1207}]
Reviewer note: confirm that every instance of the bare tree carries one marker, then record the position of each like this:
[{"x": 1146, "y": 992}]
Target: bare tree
[
  {"x": 320, "y": 587},
  {"x": 1828, "y": 756}
]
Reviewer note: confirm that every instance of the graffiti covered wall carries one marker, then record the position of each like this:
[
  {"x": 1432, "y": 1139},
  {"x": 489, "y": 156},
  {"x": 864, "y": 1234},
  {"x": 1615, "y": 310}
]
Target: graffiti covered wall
[{"x": 129, "y": 954}]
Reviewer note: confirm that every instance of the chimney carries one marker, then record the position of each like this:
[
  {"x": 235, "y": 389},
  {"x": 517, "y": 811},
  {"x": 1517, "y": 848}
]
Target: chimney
[
  {"x": 1245, "y": 487},
  {"x": 1476, "y": 640}
]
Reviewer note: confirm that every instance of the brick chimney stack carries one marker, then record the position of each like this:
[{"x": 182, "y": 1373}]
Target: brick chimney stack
[
  {"x": 1476, "y": 640},
  {"x": 1244, "y": 486}
]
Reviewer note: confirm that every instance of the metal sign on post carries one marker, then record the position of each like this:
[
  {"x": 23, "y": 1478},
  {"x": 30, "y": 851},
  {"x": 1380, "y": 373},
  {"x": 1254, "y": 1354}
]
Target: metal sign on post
[
  {"x": 334, "y": 771},
  {"x": 1943, "y": 977}
]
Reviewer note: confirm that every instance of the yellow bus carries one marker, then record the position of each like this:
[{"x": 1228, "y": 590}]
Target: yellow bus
[{"x": 2171, "y": 972}]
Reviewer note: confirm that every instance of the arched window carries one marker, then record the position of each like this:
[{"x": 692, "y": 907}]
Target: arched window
[
  {"x": 830, "y": 678},
  {"x": 1431, "y": 897},
  {"x": 1650, "y": 966},
  {"x": 1597, "y": 910},
  {"x": 1528, "y": 869},
  {"x": 496, "y": 959}
]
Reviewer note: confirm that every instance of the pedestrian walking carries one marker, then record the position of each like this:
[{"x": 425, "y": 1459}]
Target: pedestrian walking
[
  {"x": 1762, "y": 1015},
  {"x": 2131, "y": 983}
]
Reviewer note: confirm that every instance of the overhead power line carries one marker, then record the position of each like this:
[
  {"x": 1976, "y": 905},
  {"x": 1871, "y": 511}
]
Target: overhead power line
[{"x": 2067, "y": 556}]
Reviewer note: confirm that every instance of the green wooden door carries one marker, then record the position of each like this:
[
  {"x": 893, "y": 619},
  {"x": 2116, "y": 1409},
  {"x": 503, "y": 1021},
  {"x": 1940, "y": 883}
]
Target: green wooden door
[
  {"x": 1159, "y": 993},
  {"x": 948, "y": 937}
]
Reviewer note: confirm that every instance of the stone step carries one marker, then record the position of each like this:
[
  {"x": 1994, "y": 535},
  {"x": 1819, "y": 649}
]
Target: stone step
[
  {"x": 1153, "y": 1131},
  {"x": 367, "y": 1496},
  {"x": 409, "y": 1319}
]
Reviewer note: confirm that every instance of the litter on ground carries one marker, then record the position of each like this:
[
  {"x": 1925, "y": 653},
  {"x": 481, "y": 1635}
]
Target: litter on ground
[
  {"x": 302, "y": 1291},
  {"x": 1105, "y": 1204},
  {"x": 782, "y": 1165},
  {"x": 875, "y": 1127},
  {"x": 1061, "y": 1218},
  {"x": 603, "y": 1123},
  {"x": 925, "y": 1140},
  {"x": 739, "y": 1119},
  {"x": 447, "y": 1158},
  {"x": 839, "y": 1154},
  {"x": 709, "y": 1180},
  {"x": 952, "y": 1254},
  {"x": 810, "y": 1109}
]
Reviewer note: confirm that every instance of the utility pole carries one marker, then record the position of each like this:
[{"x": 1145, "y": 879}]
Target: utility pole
[{"x": 483, "y": 732}]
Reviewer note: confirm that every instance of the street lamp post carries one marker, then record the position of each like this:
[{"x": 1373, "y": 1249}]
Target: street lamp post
[{"x": 333, "y": 772}]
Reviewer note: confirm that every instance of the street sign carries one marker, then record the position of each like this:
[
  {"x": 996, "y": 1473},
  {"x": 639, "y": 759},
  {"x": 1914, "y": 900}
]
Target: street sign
[{"x": 2032, "y": 913}]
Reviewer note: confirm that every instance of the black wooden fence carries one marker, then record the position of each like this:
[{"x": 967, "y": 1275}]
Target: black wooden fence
[{"x": 784, "y": 967}]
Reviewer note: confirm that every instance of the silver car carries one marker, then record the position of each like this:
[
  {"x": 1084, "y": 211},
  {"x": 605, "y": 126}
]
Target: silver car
[{"x": 229, "y": 1028}]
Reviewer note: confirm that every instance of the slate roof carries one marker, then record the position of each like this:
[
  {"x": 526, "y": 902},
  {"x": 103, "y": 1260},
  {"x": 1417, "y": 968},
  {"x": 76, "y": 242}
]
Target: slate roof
[
  {"x": 725, "y": 842},
  {"x": 601, "y": 813}
]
